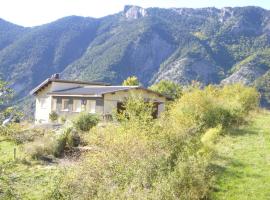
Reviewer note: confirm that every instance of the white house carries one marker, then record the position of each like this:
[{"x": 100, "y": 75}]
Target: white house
[{"x": 68, "y": 98}]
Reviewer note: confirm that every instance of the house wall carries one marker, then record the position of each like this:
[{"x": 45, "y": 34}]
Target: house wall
[
  {"x": 42, "y": 111},
  {"x": 71, "y": 112},
  {"x": 111, "y": 99},
  {"x": 105, "y": 105}
]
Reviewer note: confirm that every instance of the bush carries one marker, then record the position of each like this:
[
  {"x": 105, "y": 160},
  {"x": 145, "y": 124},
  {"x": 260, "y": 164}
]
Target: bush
[
  {"x": 40, "y": 148},
  {"x": 53, "y": 144},
  {"x": 53, "y": 116},
  {"x": 20, "y": 134},
  {"x": 49, "y": 145},
  {"x": 136, "y": 110},
  {"x": 63, "y": 120},
  {"x": 73, "y": 138},
  {"x": 85, "y": 121},
  {"x": 167, "y": 88}
]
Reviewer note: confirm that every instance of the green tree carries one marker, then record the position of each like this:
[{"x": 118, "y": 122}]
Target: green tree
[
  {"x": 167, "y": 88},
  {"x": 131, "y": 81},
  {"x": 6, "y": 93}
]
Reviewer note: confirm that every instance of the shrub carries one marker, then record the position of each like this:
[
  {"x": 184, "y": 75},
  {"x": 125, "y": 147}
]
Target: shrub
[
  {"x": 85, "y": 121},
  {"x": 73, "y": 138},
  {"x": 24, "y": 136},
  {"x": 40, "y": 148},
  {"x": 209, "y": 138},
  {"x": 49, "y": 145},
  {"x": 137, "y": 111},
  {"x": 131, "y": 81},
  {"x": 53, "y": 116},
  {"x": 168, "y": 88},
  {"x": 63, "y": 120},
  {"x": 20, "y": 134}
]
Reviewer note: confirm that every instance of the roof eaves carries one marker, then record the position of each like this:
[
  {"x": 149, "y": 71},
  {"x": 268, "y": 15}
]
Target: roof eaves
[
  {"x": 74, "y": 95},
  {"x": 142, "y": 88},
  {"x": 49, "y": 80},
  {"x": 41, "y": 85},
  {"x": 120, "y": 89}
]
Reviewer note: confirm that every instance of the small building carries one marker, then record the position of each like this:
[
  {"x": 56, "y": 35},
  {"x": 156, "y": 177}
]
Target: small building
[{"x": 68, "y": 98}]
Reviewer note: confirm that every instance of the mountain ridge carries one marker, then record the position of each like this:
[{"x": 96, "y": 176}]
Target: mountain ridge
[{"x": 209, "y": 45}]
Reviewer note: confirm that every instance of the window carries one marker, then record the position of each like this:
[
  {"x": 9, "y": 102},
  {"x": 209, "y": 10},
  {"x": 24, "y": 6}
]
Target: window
[
  {"x": 42, "y": 103},
  {"x": 54, "y": 104},
  {"x": 77, "y": 105},
  {"x": 65, "y": 104},
  {"x": 91, "y": 106}
]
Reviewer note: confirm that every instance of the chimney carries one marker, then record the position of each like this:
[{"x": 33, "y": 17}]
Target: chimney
[{"x": 55, "y": 76}]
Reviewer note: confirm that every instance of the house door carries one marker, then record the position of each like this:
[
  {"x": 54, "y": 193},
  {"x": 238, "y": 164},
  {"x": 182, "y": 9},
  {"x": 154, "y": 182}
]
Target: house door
[
  {"x": 120, "y": 107},
  {"x": 155, "y": 110}
]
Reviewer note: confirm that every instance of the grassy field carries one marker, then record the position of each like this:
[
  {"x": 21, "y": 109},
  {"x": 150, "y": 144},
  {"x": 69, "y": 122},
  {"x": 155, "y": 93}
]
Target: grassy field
[
  {"x": 244, "y": 161},
  {"x": 23, "y": 178},
  {"x": 243, "y": 166}
]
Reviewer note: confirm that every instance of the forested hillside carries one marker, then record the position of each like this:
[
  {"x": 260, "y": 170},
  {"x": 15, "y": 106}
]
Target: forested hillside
[{"x": 182, "y": 44}]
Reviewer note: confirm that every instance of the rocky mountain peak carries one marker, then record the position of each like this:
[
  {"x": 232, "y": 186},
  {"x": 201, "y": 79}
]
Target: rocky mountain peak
[
  {"x": 225, "y": 13},
  {"x": 134, "y": 12}
]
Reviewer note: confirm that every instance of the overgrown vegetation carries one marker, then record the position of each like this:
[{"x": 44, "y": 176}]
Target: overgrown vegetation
[
  {"x": 85, "y": 121},
  {"x": 168, "y": 158},
  {"x": 138, "y": 157},
  {"x": 167, "y": 88},
  {"x": 131, "y": 81},
  {"x": 53, "y": 116}
]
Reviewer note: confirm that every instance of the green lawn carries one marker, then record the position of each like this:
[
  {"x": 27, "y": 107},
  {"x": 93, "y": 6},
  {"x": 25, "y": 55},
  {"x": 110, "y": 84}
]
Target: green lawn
[
  {"x": 23, "y": 178},
  {"x": 243, "y": 162}
]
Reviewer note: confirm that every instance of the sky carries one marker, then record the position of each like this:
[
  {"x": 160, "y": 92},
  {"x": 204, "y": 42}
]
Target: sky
[{"x": 37, "y": 12}]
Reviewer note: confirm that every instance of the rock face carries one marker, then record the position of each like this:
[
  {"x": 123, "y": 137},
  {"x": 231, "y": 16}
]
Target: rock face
[
  {"x": 249, "y": 70},
  {"x": 186, "y": 70},
  {"x": 245, "y": 75},
  {"x": 134, "y": 12}
]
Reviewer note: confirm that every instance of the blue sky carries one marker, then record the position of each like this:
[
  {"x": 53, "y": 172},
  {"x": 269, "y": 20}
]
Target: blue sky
[{"x": 37, "y": 12}]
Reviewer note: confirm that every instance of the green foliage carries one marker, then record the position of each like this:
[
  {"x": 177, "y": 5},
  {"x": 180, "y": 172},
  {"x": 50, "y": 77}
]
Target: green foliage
[
  {"x": 53, "y": 116},
  {"x": 85, "y": 121},
  {"x": 63, "y": 120},
  {"x": 135, "y": 109},
  {"x": 53, "y": 143},
  {"x": 168, "y": 158},
  {"x": 20, "y": 135},
  {"x": 131, "y": 81},
  {"x": 73, "y": 138},
  {"x": 167, "y": 88},
  {"x": 46, "y": 146},
  {"x": 209, "y": 139},
  {"x": 263, "y": 86},
  {"x": 212, "y": 106},
  {"x": 6, "y": 93}
]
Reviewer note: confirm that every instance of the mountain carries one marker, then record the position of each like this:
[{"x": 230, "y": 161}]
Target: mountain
[{"x": 210, "y": 45}]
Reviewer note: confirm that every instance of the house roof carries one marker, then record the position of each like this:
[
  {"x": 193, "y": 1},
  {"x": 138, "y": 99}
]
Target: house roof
[
  {"x": 99, "y": 90},
  {"x": 50, "y": 80}
]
